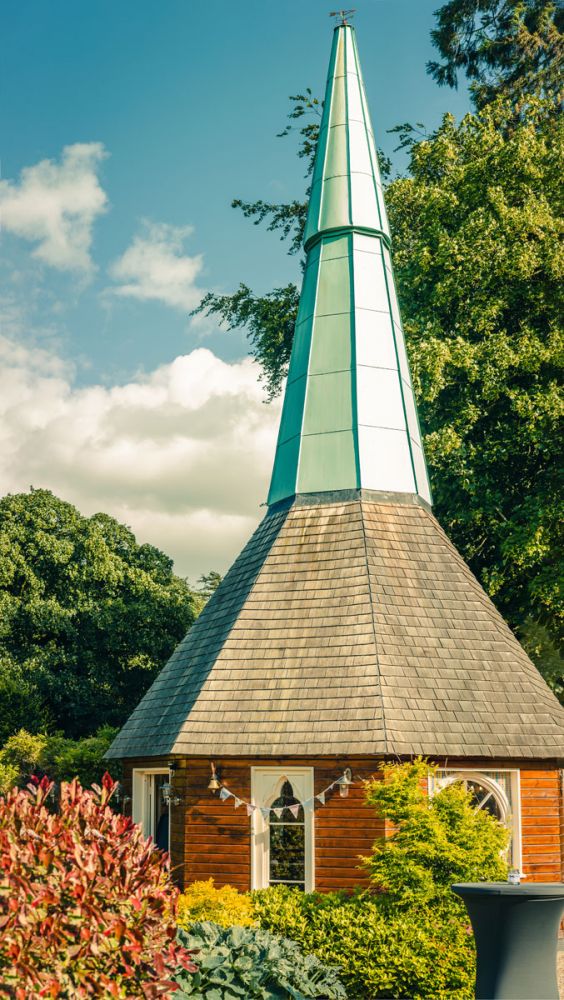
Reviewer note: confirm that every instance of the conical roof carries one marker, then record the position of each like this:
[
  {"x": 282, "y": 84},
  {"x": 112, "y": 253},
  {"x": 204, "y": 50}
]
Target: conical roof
[
  {"x": 349, "y": 624},
  {"x": 349, "y": 419},
  {"x": 345, "y": 627}
]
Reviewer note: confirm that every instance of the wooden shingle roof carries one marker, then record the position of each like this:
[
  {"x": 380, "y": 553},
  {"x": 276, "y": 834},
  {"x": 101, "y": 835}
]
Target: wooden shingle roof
[{"x": 349, "y": 625}]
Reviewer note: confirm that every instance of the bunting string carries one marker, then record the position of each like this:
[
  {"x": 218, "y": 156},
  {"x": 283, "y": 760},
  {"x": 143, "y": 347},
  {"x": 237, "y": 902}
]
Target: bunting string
[{"x": 265, "y": 811}]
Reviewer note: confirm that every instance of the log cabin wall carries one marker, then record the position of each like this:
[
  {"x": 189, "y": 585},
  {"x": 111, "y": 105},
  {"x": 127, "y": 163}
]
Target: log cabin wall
[
  {"x": 218, "y": 836},
  {"x": 211, "y": 839}
]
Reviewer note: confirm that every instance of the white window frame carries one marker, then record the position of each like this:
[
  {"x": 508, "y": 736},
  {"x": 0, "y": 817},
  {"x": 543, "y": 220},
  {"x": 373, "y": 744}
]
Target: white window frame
[
  {"x": 512, "y": 818},
  {"x": 143, "y": 791},
  {"x": 266, "y": 784}
]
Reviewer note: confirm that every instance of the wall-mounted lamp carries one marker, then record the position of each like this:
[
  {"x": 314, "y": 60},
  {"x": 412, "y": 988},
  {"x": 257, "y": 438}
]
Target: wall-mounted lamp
[
  {"x": 214, "y": 782},
  {"x": 167, "y": 791},
  {"x": 345, "y": 782}
]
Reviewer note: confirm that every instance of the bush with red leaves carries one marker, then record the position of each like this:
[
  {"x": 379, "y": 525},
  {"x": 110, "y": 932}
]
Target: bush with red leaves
[{"x": 87, "y": 906}]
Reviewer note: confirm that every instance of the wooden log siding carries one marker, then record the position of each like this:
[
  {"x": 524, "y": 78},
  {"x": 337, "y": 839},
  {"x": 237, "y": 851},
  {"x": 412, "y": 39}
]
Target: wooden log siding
[{"x": 211, "y": 839}]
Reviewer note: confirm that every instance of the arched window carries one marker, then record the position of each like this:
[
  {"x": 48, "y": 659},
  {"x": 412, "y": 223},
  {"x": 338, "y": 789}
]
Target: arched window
[
  {"x": 495, "y": 792},
  {"x": 282, "y": 830},
  {"x": 287, "y": 839}
]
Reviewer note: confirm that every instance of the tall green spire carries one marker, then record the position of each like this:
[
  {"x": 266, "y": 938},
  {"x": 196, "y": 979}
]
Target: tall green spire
[{"x": 349, "y": 419}]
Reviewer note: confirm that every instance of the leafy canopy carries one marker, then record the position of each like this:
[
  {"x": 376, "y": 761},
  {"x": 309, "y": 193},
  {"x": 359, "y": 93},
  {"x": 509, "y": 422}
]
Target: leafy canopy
[
  {"x": 479, "y": 265},
  {"x": 509, "y": 48},
  {"x": 87, "y": 616}
]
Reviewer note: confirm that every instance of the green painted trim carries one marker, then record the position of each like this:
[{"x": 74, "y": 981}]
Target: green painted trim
[
  {"x": 349, "y": 496},
  {"x": 307, "y": 369},
  {"x": 365, "y": 123},
  {"x": 410, "y": 378},
  {"x": 399, "y": 370},
  {"x": 342, "y": 230},
  {"x": 329, "y": 99}
]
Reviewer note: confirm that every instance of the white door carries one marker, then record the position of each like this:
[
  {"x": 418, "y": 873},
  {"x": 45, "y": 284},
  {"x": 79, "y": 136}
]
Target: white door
[
  {"x": 148, "y": 807},
  {"x": 282, "y": 841}
]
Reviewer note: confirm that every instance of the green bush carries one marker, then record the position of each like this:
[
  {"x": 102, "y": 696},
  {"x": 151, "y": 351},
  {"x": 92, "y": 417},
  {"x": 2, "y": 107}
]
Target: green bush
[
  {"x": 57, "y": 756},
  {"x": 242, "y": 963},
  {"x": 410, "y": 936}
]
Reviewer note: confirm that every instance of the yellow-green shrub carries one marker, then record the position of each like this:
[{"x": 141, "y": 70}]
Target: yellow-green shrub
[{"x": 226, "y": 906}]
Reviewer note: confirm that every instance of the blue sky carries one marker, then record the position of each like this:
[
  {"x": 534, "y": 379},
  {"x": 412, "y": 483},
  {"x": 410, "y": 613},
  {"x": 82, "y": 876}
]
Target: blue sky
[{"x": 167, "y": 111}]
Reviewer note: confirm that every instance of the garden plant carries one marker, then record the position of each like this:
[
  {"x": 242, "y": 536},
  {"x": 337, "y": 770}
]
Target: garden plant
[{"x": 87, "y": 906}]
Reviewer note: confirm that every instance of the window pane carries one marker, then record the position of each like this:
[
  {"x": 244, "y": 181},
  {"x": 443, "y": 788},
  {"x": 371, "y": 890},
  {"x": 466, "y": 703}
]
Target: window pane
[
  {"x": 287, "y": 852},
  {"x": 284, "y": 801}
]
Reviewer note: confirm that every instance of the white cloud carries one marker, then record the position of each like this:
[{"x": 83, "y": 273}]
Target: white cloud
[
  {"x": 156, "y": 267},
  {"x": 55, "y": 206},
  {"x": 182, "y": 455}
]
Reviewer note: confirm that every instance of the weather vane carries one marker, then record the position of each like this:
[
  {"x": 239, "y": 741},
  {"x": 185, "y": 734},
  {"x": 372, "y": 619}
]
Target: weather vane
[{"x": 343, "y": 14}]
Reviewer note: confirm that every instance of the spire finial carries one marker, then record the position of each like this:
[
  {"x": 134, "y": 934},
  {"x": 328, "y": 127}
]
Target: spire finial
[{"x": 343, "y": 15}]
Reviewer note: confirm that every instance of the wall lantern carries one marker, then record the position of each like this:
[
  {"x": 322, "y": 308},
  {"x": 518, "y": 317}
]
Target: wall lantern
[
  {"x": 214, "y": 782},
  {"x": 345, "y": 782},
  {"x": 167, "y": 791}
]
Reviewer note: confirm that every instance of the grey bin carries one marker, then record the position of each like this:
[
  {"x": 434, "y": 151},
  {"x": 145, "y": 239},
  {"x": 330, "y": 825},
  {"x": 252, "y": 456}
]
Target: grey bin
[{"x": 516, "y": 933}]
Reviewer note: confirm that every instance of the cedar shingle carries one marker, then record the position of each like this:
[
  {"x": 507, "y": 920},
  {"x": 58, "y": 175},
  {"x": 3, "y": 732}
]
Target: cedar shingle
[{"x": 348, "y": 627}]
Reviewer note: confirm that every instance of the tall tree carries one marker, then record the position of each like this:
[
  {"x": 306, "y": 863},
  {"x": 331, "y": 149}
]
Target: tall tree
[
  {"x": 479, "y": 264},
  {"x": 87, "y": 616},
  {"x": 509, "y": 48}
]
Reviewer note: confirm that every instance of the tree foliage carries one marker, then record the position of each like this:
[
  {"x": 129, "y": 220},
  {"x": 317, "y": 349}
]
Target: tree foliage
[
  {"x": 56, "y": 756},
  {"x": 87, "y": 617},
  {"x": 509, "y": 48},
  {"x": 479, "y": 265}
]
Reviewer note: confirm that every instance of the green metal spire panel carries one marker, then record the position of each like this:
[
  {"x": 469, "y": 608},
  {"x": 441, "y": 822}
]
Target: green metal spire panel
[{"x": 349, "y": 419}]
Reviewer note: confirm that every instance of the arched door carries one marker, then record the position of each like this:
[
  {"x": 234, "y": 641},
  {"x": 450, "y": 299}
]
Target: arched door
[{"x": 282, "y": 839}]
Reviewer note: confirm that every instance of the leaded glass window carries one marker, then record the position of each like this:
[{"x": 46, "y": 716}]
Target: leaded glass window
[{"x": 287, "y": 839}]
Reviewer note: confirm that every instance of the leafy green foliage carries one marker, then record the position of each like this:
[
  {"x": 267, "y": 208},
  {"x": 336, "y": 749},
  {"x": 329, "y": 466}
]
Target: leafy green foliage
[
  {"x": 87, "y": 905},
  {"x": 410, "y": 937},
  {"x": 436, "y": 840},
  {"x": 270, "y": 321},
  {"x": 60, "y": 758},
  {"x": 407, "y": 954},
  {"x": 479, "y": 268},
  {"x": 512, "y": 48},
  {"x": 247, "y": 962},
  {"x": 87, "y": 616},
  {"x": 202, "y": 901}
]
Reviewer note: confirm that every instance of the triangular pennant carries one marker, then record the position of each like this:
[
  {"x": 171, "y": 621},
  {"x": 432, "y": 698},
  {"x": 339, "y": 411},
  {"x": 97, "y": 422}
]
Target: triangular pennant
[
  {"x": 225, "y": 794},
  {"x": 295, "y": 809},
  {"x": 237, "y": 802},
  {"x": 308, "y": 804},
  {"x": 321, "y": 798},
  {"x": 278, "y": 813},
  {"x": 265, "y": 813},
  {"x": 250, "y": 808}
]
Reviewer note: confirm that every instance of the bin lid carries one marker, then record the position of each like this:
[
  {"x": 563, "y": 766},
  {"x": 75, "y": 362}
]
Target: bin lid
[{"x": 535, "y": 889}]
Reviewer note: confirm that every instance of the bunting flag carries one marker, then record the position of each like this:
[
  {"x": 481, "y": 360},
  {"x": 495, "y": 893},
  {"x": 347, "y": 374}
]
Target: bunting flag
[{"x": 265, "y": 811}]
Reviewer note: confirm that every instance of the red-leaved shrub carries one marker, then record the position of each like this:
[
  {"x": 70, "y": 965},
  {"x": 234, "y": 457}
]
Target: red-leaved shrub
[{"x": 87, "y": 907}]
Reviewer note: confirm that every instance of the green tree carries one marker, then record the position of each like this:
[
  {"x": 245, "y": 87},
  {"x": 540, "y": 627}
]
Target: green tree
[
  {"x": 509, "y": 48},
  {"x": 479, "y": 267},
  {"x": 88, "y": 617}
]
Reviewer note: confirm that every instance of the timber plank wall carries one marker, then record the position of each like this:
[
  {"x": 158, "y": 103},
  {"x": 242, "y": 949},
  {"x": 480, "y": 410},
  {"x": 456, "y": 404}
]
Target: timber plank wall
[{"x": 211, "y": 839}]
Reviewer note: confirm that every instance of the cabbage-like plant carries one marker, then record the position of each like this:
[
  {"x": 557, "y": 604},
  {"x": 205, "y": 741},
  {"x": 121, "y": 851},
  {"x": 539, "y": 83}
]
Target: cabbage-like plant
[
  {"x": 87, "y": 906},
  {"x": 253, "y": 964}
]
